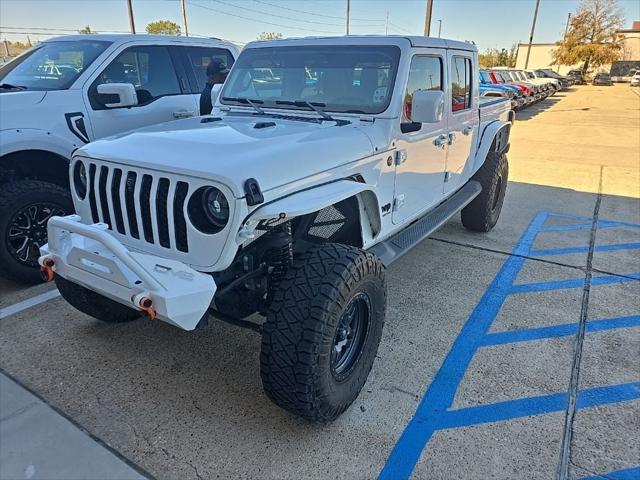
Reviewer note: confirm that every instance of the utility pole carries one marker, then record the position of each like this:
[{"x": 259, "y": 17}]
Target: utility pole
[
  {"x": 566, "y": 29},
  {"x": 184, "y": 17},
  {"x": 427, "y": 18},
  {"x": 6, "y": 47},
  {"x": 132, "y": 24},
  {"x": 533, "y": 27},
  {"x": 439, "y": 28},
  {"x": 348, "y": 10},
  {"x": 386, "y": 24}
]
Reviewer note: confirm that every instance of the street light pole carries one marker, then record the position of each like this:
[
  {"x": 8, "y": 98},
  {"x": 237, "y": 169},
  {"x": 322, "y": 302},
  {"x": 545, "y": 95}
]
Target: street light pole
[
  {"x": 348, "y": 10},
  {"x": 533, "y": 27},
  {"x": 386, "y": 24},
  {"x": 427, "y": 18},
  {"x": 439, "y": 28},
  {"x": 132, "y": 24},
  {"x": 184, "y": 17}
]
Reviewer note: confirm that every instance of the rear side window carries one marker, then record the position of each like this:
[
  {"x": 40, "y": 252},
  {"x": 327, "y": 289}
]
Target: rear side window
[
  {"x": 198, "y": 59},
  {"x": 148, "y": 68},
  {"x": 460, "y": 84},
  {"x": 425, "y": 73}
]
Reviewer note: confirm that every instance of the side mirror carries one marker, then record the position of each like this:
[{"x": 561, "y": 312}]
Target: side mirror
[
  {"x": 215, "y": 92},
  {"x": 427, "y": 106},
  {"x": 125, "y": 93}
]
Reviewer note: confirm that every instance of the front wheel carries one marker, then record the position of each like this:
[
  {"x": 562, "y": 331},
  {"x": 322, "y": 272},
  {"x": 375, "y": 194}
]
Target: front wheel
[
  {"x": 322, "y": 331},
  {"x": 25, "y": 208}
]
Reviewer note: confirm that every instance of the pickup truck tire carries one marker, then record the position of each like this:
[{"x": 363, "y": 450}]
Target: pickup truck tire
[
  {"x": 482, "y": 214},
  {"x": 93, "y": 304},
  {"x": 322, "y": 331},
  {"x": 25, "y": 207}
]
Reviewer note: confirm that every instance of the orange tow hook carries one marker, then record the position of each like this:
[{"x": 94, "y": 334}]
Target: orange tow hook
[
  {"x": 146, "y": 305},
  {"x": 46, "y": 271}
]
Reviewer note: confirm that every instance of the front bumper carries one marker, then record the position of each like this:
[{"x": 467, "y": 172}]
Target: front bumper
[{"x": 89, "y": 256}]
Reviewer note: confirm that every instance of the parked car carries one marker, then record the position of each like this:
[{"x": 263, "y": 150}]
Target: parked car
[
  {"x": 489, "y": 89},
  {"x": 547, "y": 86},
  {"x": 288, "y": 205},
  {"x": 71, "y": 90},
  {"x": 576, "y": 76},
  {"x": 623, "y": 70},
  {"x": 554, "y": 82},
  {"x": 502, "y": 78},
  {"x": 602, "y": 79},
  {"x": 635, "y": 80},
  {"x": 566, "y": 82}
]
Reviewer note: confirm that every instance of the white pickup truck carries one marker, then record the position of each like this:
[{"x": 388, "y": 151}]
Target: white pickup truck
[
  {"x": 71, "y": 90},
  {"x": 325, "y": 160}
]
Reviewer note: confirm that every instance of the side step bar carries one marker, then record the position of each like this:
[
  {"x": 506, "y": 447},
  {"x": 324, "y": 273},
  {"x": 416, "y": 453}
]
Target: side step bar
[{"x": 393, "y": 248}]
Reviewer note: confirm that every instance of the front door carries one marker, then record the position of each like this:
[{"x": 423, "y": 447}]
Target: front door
[
  {"x": 422, "y": 149},
  {"x": 463, "y": 118},
  {"x": 161, "y": 97}
]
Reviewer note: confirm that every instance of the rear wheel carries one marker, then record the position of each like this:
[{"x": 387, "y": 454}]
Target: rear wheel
[{"x": 322, "y": 331}]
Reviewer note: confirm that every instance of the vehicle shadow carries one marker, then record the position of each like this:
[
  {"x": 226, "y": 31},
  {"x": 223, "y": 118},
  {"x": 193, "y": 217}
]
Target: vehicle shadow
[{"x": 539, "y": 107}]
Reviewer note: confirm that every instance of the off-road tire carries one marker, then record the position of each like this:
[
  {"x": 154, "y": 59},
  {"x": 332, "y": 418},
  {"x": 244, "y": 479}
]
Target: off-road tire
[
  {"x": 14, "y": 198},
  {"x": 93, "y": 304},
  {"x": 300, "y": 330},
  {"x": 482, "y": 214}
]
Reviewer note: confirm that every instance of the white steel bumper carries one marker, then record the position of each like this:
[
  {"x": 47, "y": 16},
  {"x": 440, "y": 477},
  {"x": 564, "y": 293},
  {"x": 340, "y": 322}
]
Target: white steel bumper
[{"x": 89, "y": 256}]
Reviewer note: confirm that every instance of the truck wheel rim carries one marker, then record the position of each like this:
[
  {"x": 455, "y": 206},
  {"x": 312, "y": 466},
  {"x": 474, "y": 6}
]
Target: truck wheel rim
[
  {"x": 350, "y": 336},
  {"x": 27, "y": 231}
]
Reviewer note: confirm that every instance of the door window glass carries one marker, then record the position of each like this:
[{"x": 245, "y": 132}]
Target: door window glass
[
  {"x": 425, "y": 73},
  {"x": 200, "y": 57},
  {"x": 460, "y": 84}
]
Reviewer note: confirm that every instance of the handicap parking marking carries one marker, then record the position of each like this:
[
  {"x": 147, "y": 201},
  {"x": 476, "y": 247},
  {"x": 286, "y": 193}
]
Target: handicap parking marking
[
  {"x": 434, "y": 412},
  {"x": 28, "y": 303},
  {"x": 626, "y": 474}
]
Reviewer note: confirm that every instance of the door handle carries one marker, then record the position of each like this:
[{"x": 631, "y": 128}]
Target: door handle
[
  {"x": 452, "y": 137},
  {"x": 467, "y": 130},
  {"x": 440, "y": 141},
  {"x": 183, "y": 114}
]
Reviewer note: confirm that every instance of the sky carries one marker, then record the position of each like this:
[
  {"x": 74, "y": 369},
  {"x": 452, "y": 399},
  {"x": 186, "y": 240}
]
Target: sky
[{"x": 489, "y": 23}]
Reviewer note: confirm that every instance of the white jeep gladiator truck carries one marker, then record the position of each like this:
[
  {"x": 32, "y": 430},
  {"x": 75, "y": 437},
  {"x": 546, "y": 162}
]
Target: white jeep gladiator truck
[
  {"x": 68, "y": 91},
  {"x": 324, "y": 161}
]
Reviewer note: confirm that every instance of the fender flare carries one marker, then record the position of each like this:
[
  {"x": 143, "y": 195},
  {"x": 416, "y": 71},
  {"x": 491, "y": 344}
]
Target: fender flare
[
  {"x": 17, "y": 140},
  {"x": 316, "y": 198},
  {"x": 496, "y": 136}
]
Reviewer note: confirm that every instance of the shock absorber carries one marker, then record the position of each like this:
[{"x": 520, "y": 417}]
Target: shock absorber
[{"x": 279, "y": 256}]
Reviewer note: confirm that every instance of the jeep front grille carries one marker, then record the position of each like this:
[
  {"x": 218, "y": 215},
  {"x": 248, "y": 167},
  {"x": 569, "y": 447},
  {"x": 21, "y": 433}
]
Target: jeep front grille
[{"x": 142, "y": 206}]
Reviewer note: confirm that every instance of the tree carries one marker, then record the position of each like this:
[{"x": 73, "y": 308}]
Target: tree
[
  {"x": 86, "y": 30},
  {"x": 269, "y": 36},
  {"x": 592, "y": 36},
  {"x": 163, "y": 27},
  {"x": 493, "y": 57}
]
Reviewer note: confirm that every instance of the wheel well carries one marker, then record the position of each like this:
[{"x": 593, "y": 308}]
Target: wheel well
[
  {"x": 501, "y": 139},
  {"x": 36, "y": 165},
  {"x": 338, "y": 223}
]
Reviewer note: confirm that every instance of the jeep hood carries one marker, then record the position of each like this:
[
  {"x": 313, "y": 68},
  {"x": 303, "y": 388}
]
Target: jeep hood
[{"x": 274, "y": 151}]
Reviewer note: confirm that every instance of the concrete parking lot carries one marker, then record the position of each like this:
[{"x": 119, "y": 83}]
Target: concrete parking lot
[{"x": 513, "y": 354}]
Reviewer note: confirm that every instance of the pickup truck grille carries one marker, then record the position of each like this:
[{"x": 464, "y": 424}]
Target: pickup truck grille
[{"x": 145, "y": 207}]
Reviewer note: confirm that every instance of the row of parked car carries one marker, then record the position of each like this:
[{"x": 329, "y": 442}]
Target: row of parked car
[{"x": 522, "y": 87}]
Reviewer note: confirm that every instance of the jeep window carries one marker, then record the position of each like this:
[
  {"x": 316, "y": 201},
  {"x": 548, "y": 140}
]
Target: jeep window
[
  {"x": 425, "y": 73},
  {"x": 52, "y": 65},
  {"x": 148, "y": 68},
  {"x": 485, "y": 77},
  {"x": 344, "y": 79},
  {"x": 460, "y": 84}
]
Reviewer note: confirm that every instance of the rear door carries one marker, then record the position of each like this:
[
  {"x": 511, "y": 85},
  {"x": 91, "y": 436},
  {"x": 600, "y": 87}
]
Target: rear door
[
  {"x": 422, "y": 149},
  {"x": 162, "y": 93},
  {"x": 462, "y": 117}
]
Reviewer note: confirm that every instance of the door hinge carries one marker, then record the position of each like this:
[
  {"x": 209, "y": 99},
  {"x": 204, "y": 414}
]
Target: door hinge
[
  {"x": 398, "y": 202},
  {"x": 401, "y": 157}
]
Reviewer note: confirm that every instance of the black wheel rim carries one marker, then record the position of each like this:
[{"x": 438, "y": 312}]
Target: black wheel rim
[
  {"x": 27, "y": 231},
  {"x": 350, "y": 336}
]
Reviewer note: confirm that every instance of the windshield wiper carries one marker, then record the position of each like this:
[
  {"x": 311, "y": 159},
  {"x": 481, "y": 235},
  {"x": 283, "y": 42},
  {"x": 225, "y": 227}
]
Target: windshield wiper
[
  {"x": 246, "y": 101},
  {"x": 315, "y": 106},
  {"x": 8, "y": 86}
]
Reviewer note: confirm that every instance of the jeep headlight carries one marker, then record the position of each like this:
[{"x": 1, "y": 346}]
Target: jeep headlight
[
  {"x": 80, "y": 179},
  {"x": 208, "y": 210}
]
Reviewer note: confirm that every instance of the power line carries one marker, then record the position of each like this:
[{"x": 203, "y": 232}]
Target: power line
[
  {"x": 314, "y": 13},
  {"x": 261, "y": 21},
  {"x": 397, "y": 27}
]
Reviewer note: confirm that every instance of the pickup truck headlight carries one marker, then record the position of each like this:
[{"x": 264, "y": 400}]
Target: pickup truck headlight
[
  {"x": 208, "y": 210},
  {"x": 80, "y": 179}
]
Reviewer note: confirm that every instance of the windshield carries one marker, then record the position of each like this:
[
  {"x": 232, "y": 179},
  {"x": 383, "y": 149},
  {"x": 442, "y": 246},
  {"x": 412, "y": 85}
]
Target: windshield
[
  {"x": 530, "y": 75},
  {"x": 52, "y": 65},
  {"x": 484, "y": 76},
  {"x": 344, "y": 79}
]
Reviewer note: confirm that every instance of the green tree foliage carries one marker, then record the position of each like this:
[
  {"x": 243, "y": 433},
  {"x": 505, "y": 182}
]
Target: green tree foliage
[
  {"x": 592, "y": 36},
  {"x": 86, "y": 30},
  {"x": 163, "y": 27},
  {"x": 493, "y": 57},
  {"x": 269, "y": 36}
]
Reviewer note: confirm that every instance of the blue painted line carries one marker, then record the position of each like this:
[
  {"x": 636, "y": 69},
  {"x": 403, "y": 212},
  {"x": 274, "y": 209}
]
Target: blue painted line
[
  {"x": 584, "y": 249},
  {"x": 440, "y": 394},
  {"x": 526, "y": 407},
  {"x": 587, "y": 225},
  {"x": 501, "y": 338},
  {"x": 632, "y": 473},
  {"x": 573, "y": 283}
]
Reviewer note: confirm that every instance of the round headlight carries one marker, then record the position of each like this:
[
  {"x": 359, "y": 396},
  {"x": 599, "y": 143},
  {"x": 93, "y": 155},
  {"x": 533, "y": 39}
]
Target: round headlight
[
  {"x": 80, "y": 179},
  {"x": 208, "y": 210}
]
